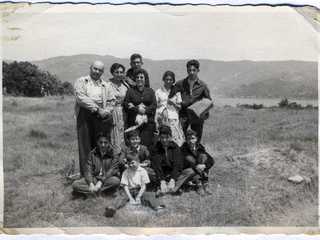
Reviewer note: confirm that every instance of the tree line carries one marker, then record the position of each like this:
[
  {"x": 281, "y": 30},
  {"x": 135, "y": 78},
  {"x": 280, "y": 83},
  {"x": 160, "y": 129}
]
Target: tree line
[{"x": 26, "y": 79}]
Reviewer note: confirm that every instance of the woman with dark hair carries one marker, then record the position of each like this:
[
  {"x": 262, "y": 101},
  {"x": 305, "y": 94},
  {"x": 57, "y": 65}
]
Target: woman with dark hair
[
  {"x": 117, "y": 88},
  {"x": 140, "y": 105},
  {"x": 167, "y": 112}
]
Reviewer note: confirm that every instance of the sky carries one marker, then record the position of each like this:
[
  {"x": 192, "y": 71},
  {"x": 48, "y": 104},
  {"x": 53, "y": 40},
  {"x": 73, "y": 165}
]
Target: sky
[{"x": 263, "y": 33}]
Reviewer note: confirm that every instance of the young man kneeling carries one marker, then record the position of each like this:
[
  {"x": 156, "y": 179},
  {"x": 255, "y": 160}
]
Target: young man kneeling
[
  {"x": 134, "y": 180},
  {"x": 196, "y": 157}
]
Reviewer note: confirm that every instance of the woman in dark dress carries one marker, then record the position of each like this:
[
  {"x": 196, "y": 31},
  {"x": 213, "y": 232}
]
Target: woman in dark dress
[{"x": 140, "y": 103}]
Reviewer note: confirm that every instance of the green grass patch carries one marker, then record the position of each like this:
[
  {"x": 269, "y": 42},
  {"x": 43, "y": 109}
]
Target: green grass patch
[{"x": 255, "y": 153}]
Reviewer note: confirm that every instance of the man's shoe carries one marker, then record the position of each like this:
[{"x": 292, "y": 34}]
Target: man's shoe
[
  {"x": 200, "y": 190},
  {"x": 159, "y": 193},
  {"x": 178, "y": 192},
  {"x": 109, "y": 213},
  {"x": 207, "y": 189}
]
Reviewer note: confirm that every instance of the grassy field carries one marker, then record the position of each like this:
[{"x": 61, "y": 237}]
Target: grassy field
[{"x": 255, "y": 153}]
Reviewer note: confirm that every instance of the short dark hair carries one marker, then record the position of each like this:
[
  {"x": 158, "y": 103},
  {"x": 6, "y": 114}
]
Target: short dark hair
[
  {"x": 190, "y": 132},
  {"x": 132, "y": 133},
  {"x": 194, "y": 63},
  {"x": 134, "y": 56},
  {"x": 169, "y": 73},
  {"x": 145, "y": 73},
  {"x": 132, "y": 156},
  {"x": 103, "y": 134},
  {"x": 115, "y": 66},
  {"x": 166, "y": 130}
]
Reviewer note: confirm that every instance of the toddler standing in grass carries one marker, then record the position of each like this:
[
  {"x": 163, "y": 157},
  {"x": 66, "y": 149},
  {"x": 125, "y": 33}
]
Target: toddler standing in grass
[{"x": 134, "y": 181}]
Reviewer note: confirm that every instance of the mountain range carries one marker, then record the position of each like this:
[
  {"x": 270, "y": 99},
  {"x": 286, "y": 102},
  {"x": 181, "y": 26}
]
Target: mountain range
[{"x": 265, "y": 79}]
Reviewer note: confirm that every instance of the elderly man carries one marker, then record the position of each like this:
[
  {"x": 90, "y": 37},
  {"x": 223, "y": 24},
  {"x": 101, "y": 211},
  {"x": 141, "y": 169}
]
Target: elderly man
[{"x": 90, "y": 112}]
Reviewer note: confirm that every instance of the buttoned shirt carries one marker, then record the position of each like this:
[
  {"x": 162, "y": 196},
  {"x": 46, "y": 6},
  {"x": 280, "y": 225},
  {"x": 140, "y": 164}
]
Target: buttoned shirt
[
  {"x": 134, "y": 179},
  {"x": 188, "y": 95},
  {"x": 88, "y": 93}
]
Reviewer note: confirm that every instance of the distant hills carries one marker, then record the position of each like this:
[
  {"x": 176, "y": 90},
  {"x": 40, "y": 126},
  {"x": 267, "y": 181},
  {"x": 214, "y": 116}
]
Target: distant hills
[{"x": 268, "y": 79}]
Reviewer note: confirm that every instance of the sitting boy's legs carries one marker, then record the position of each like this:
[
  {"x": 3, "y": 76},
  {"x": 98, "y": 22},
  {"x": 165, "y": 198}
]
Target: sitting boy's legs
[
  {"x": 111, "y": 184},
  {"x": 80, "y": 186},
  {"x": 185, "y": 176},
  {"x": 149, "y": 199},
  {"x": 192, "y": 161},
  {"x": 152, "y": 176},
  {"x": 204, "y": 187},
  {"x": 118, "y": 202}
]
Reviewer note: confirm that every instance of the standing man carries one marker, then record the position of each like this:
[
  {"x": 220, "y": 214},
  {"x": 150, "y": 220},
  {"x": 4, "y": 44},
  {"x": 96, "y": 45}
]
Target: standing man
[
  {"x": 136, "y": 63},
  {"x": 89, "y": 110},
  {"x": 192, "y": 90}
]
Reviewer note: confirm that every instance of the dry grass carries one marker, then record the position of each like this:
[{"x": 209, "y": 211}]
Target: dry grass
[{"x": 255, "y": 153}]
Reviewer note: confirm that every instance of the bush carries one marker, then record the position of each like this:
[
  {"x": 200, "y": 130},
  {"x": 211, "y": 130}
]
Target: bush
[
  {"x": 37, "y": 134},
  {"x": 251, "y": 106},
  {"x": 284, "y": 103},
  {"x": 26, "y": 79}
]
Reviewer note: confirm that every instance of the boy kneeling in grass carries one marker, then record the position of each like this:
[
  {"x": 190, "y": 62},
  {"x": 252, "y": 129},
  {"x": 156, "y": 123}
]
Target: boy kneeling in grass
[
  {"x": 134, "y": 181},
  {"x": 133, "y": 145},
  {"x": 196, "y": 157}
]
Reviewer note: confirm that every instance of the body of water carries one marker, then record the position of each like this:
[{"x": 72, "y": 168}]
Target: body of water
[{"x": 220, "y": 102}]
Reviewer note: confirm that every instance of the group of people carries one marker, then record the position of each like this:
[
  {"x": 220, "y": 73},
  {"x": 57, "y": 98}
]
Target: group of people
[{"x": 116, "y": 124}]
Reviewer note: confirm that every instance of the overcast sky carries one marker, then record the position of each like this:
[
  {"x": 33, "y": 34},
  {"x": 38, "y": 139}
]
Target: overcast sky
[{"x": 225, "y": 33}]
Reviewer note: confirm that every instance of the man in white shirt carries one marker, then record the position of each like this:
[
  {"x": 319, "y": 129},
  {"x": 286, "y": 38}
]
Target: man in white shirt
[{"x": 89, "y": 110}]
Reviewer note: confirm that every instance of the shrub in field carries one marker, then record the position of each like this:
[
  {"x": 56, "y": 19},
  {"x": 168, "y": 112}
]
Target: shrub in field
[
  {"x": 33, "y": 133},
  {"x": 251, "y": 106},
  {"x": 285, "y": 103}
]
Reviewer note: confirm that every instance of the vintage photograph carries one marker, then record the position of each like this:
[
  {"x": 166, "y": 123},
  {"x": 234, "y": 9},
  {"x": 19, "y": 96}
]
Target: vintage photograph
[{"x": 152, "y": 117}]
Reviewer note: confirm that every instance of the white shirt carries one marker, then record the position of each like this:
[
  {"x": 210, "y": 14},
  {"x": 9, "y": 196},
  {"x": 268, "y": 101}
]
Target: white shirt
[
  {"x": 162, "y": 103},
  {"x": 134, "y": 179},
  {"x": 88, "y": 92}
]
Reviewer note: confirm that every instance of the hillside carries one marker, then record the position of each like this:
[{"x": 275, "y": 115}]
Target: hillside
[{"x": 293, "y": 79}]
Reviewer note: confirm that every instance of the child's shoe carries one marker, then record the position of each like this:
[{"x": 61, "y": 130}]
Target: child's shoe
[
  {"x": 200, "y": 190},
  {"x": 109, "y": 213},
  {"x": 206, "y": 188}
]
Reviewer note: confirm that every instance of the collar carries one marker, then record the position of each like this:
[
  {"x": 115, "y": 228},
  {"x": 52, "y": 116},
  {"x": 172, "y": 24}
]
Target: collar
[
  {"x": 171, "y": 145},
  {"x": 198, "y": 146},
  {"x": 195, "y": 81},
  {"x": 99, "y": 81},
  {"x": 108, "y": 153},
  {"x": 165, "y": 90},
  {"x": 128, "y": 149},
  {"x": 122, "y": 81},
  {"x": 138, "y": 169}
]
